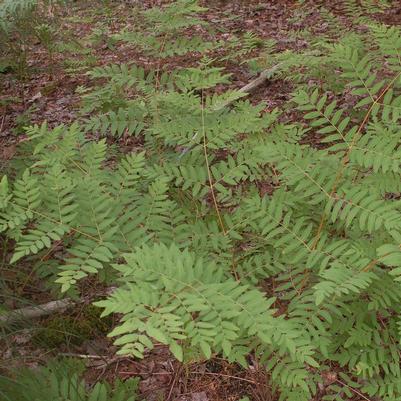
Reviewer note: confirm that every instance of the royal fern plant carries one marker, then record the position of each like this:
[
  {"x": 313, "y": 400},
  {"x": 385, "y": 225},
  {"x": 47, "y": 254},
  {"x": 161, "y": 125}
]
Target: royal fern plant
[
  {"x": 229, "y": 231},
  {"x": 168, "y": 31},
  {"x": 23, "y": 23}
]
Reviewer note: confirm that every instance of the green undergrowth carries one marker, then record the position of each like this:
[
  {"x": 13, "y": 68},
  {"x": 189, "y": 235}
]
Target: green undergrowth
[
  {"x": 29, "y": 27},
  {"x": 72, "y": 329},
  {"x": 229, "y": 231},
  {"x": 62, "y": 380}
]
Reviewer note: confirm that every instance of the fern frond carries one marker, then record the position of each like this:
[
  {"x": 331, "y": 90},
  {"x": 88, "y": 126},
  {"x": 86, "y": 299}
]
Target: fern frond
[
  {"x": 338, "y": 281},
  {"x": 191, "y": 287},
  {"x": 62, "y": 380},
  {"x": 388, "y": 39},
  {"x": 357, "y": 69},
  {"x": 327, "y": 119},
  {"x": 378, "y": 149},
  {"x": 123, "y": 121}
]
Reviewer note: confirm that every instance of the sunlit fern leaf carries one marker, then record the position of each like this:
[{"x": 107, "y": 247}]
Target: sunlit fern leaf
[
  {"x": 370, "y": 211},
  {"x": 339, "y": 281},
  {"x": 190, "y": 285},
  {"x": 118, "y": 123}
]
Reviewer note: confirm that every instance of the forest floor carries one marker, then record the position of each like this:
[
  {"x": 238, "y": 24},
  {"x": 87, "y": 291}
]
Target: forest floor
[{"x": 51, "y": 92}]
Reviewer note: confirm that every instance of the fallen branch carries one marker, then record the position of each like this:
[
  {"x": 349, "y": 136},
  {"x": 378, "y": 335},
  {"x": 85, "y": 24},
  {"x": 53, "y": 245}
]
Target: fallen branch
[
  {"x": 84, "y": 356},
  {"x": 263, "y": 76},
  {"x": 251, "y": 86},
  {"x": 267, "y": 74},
  {"x": 32, "y": 312}
]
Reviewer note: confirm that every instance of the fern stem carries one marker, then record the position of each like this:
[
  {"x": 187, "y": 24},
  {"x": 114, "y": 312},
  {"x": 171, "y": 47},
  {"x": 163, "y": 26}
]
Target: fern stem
[
  {"x": 209, "y": 174},
  {"x": 353, "y": 390}
]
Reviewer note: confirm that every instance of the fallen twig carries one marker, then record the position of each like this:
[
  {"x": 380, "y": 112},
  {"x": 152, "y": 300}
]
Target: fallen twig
[
  {"x": 32, "y": 312},
  {"x": 263, "y": 76},
  {"x": 84, "y": 356},
  {"x": 2, "y": 122}
]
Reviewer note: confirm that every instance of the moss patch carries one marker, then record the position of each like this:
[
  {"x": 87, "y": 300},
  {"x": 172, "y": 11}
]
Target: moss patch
[{"x": 74, "y": 328}]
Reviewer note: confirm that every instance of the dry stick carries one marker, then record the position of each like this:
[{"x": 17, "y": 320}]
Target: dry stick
[
  {"x": 227, "y": 376},
  {"x": 2, "y": 121},
  {"x": 83, "y": 356},
  {"x": 254, "y": 84},
  {"x": 105, "y": 358},
  {"x": 176, "y": 374},
  {"x": 264, "y": 75},
  {"x": 32, "y": 312}
]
